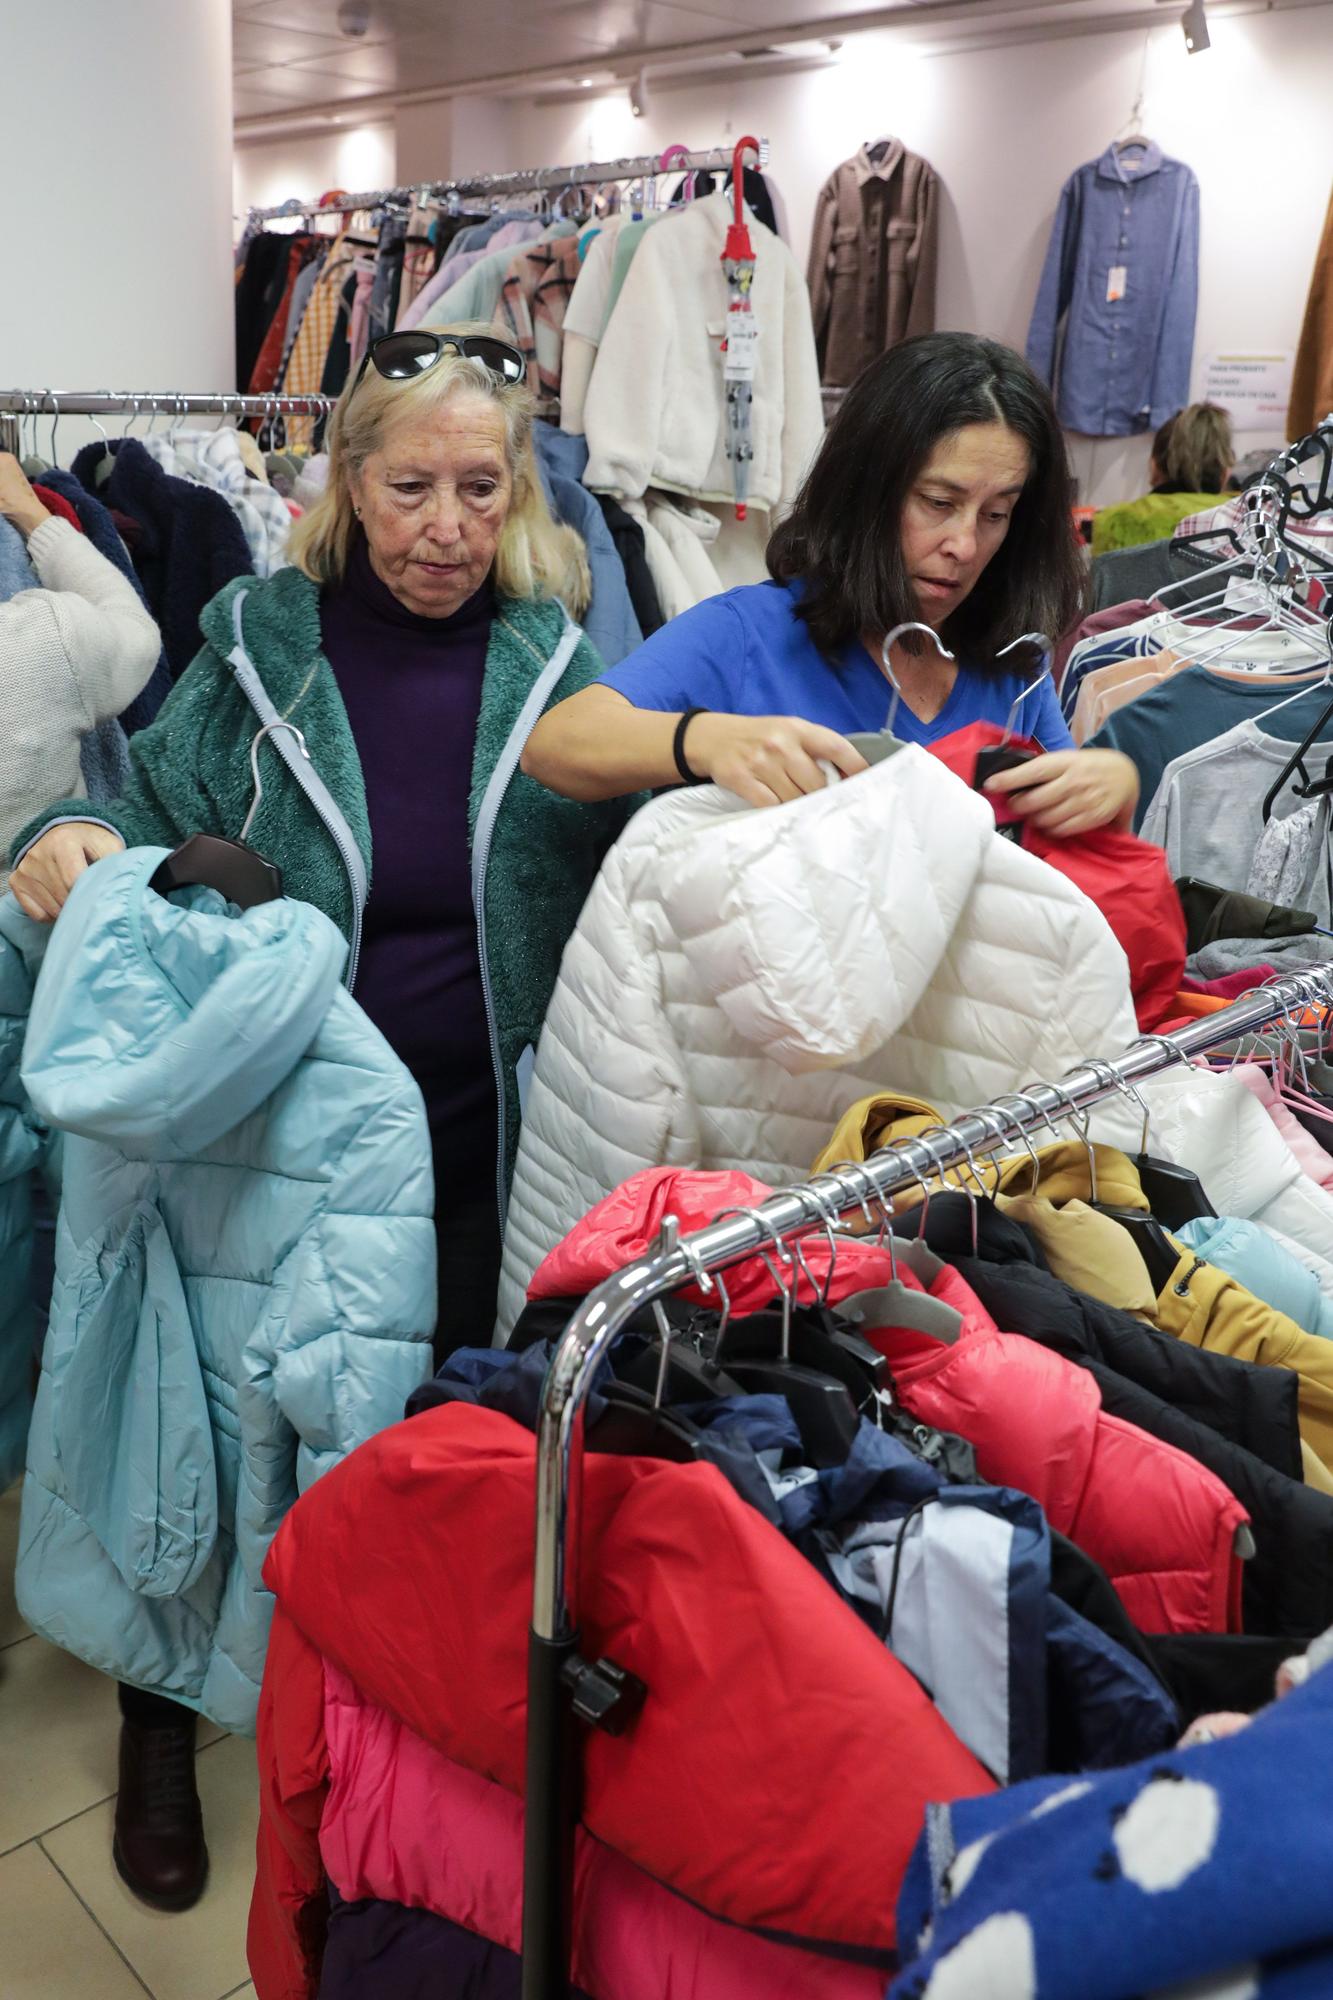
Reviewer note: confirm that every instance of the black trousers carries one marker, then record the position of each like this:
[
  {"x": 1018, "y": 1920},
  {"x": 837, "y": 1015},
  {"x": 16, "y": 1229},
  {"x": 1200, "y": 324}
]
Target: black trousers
[
  {"x": 152, "y": 1711},
  {"x": 467, "y": 1241}
]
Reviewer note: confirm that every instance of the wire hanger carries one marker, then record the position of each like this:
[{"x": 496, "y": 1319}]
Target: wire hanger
[
  {"x": 912, "y": 625},
  {"x": 211, "y": 861}
]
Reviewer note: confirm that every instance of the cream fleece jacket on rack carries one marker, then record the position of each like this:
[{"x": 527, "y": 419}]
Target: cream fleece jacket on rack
[
  {"x": 73, "y": 654},
  {"x": 655, "y": 414}
]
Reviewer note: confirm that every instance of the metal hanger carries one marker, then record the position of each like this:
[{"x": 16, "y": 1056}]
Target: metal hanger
[
  {"x": 820, "y": 1402},
  {"x": 912, "y": 625},
  {"x": 210, "y": 860}
]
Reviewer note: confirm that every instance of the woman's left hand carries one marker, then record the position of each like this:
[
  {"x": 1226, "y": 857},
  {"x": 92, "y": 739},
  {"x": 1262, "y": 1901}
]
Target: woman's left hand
[{"x": 1065, "y": 792}]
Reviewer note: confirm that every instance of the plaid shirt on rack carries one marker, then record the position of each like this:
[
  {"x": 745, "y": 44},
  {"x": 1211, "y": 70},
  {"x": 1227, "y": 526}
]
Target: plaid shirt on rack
[
  {"x": 305, "y": 370},
  {"x": 536, "y": 291}
]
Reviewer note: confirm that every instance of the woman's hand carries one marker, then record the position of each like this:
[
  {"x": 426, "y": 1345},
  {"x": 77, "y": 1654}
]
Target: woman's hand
[
  {"x": 18, "y": 502},
  {"x": 1066, "y": 792},
  {"x": 52, "y": 865},
  {"x": 766, "y": 759}
]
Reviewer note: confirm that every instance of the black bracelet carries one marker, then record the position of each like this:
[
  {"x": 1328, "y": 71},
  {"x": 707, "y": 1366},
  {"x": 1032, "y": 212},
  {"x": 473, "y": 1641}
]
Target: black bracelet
[{"x": 688, "y": 776}]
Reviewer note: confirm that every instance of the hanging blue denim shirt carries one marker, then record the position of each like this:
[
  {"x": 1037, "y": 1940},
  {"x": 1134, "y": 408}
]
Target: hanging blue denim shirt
[{"x": 1122, "y": 275}]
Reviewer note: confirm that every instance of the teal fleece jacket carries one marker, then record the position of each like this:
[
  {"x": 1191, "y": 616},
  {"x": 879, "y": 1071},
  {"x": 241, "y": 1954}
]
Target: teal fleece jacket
[{"x": 190, "y": 773}]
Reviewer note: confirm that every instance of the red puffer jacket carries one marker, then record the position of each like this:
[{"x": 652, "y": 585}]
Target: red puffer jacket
[
  {"x": 1161, "y": 1524},
  {"x": 626, "y": 1222},
  {"x": 779, "y": 1771},
  {"x": 1127, "y": 878}
]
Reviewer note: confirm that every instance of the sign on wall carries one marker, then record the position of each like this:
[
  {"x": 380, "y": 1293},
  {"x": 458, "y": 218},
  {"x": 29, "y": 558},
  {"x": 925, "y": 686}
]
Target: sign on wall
[{"x": 1255, "y": 388}]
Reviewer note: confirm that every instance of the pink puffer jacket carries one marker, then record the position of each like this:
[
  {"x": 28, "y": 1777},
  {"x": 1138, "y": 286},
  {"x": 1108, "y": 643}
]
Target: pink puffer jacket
[{"x": 403, "y": 1822}]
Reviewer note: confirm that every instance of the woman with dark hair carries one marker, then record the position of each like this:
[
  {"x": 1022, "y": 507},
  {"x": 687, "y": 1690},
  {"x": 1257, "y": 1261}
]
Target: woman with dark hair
[{"x": 940, "y": 495}]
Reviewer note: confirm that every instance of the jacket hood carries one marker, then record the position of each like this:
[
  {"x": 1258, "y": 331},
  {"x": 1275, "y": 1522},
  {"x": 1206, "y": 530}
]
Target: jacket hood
[
  {"x": 784, "y": 919},
  {"x": 160, "y": 1023},
  {"x": 890, "y": 1117}
]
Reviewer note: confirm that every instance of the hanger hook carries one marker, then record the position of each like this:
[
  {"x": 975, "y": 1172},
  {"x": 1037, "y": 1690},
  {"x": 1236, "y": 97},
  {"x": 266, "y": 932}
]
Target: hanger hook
[
  {"x": 997, "y": 1127},
  {"x": 884, "y": 1224},
  {"x": 269, "y": 729},
  {"x": 910, "y": 1167},
  {"x": 1080, "y": 1121},
  {"x": 1001, "y": 1105},
  {"x": 951, "y": 1136},
  {"x": 786, "y": 1293},
  {"x": 890, "y": 641},
  {"x": 1111, "y": 1075},
  {"x": 55, "y": 423}
]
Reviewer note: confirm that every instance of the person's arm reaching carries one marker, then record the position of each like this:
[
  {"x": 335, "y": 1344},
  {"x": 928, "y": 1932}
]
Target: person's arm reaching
[
  {"x": 598, "y": 744},
  {"x": 619, "y": 735}
]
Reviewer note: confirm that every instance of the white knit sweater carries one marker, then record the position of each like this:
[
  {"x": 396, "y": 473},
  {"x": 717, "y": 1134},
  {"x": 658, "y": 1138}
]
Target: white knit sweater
[{"x": 73, "y": 654}]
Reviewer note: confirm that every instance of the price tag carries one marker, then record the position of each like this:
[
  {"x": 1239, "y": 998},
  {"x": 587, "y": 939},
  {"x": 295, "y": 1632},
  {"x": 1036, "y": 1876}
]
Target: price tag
[
  {"x": 1115, "y": 283},
  {"x": 740, "y": 357}
]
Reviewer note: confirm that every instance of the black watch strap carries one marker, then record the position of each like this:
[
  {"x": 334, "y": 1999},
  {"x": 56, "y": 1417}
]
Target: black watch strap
[{"x": 688, "y": 776}]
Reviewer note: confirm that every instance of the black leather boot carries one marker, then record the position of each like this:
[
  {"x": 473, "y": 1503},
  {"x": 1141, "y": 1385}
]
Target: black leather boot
[{"x": 159, "y": 1848}]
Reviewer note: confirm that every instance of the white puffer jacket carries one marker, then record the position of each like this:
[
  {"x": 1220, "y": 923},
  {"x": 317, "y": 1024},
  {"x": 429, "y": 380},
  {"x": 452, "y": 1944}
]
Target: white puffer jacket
[{"x": 738, "y": 979}]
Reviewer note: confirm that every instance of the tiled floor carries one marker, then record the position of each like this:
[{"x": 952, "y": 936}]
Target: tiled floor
[{"x": 69, "y": 1929}]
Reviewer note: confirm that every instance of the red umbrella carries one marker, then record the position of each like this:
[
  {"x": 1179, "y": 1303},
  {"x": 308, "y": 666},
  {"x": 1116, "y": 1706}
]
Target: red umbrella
[{"x": 740, "y": 349}]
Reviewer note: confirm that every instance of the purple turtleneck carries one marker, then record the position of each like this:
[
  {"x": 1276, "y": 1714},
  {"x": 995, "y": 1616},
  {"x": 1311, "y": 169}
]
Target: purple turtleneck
[{"x": 412, "y": 690}]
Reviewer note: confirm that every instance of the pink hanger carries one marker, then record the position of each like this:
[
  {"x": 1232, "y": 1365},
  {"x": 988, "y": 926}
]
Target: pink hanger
[{"x": 678, "y": 156}]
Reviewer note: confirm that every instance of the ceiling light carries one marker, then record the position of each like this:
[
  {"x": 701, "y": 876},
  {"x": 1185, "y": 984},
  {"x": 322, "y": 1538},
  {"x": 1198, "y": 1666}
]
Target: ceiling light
[
  {"x": 1195, "y": 26},
  {"x": 638, "y": 95},
  {"x": 585, "y": 83}
]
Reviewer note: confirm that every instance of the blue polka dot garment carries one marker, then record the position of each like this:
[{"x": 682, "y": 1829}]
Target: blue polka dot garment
[{"x": 1200, "y": 1875}]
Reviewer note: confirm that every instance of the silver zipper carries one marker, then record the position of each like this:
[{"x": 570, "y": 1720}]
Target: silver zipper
[
  {"x": 552, "y": 673},
  {"x": 318, "y": 793}
]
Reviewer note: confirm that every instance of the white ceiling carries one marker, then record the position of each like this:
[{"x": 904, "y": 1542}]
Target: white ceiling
[{"x": 292, "y": 59}]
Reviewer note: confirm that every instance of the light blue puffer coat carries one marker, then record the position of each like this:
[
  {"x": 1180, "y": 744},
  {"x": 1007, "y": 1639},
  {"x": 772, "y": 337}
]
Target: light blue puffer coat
[
  {"x": 25, "y": 1147},
  {"x": 245, "y": 1269}
]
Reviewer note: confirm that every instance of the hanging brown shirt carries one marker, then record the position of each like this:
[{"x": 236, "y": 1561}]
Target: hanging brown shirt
[{"x": 872, "y": 259}]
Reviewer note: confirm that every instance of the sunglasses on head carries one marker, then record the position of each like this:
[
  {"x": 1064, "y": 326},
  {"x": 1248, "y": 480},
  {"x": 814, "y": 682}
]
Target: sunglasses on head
[{"x": 399, "y": 357}]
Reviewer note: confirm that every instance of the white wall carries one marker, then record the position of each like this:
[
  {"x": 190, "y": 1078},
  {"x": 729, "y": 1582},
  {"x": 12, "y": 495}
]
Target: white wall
[
  {"x": 454, "y": 138},
  {"x": 1004, "y": 127},
  {"x": 117, "y": 179},
  {"x": 307, "y": 165}
]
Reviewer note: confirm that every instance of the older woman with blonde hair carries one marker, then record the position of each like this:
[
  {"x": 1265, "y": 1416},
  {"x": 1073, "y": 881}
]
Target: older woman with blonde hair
[{"x": 425, "y": 626}]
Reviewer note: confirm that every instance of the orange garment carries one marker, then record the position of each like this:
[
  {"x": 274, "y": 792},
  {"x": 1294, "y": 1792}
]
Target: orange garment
[{"x": 1312, "y": 381}]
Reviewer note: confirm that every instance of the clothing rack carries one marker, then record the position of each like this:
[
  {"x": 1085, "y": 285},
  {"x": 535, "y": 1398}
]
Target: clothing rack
[
  {"x": 16, "y": 404},
  {"x": 526, "y": 180},
  {"x": 563, "y": 1687}
]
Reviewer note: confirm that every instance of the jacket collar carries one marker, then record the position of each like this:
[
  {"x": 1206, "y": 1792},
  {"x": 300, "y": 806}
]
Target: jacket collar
[
  {"x": 870, "y": 169},
  {"x": 1114, "y": 166}
]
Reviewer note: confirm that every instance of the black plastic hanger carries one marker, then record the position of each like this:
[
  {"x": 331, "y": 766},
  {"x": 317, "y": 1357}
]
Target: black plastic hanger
[
  {"x": 821, "y": 1403},
  {"x": 632, "y": 1425},
  {"x": 229, "y": 866},
  {"x": 1309, "y": 787},
  {"x": 1174, "y": 1194},
  {"x": 1159, "y": 1253}
]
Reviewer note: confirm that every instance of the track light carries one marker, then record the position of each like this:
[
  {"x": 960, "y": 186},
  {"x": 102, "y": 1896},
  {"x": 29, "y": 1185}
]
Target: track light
[
  {"x": 638, "y": 95},
  {"x": 1195, "y": 26}
]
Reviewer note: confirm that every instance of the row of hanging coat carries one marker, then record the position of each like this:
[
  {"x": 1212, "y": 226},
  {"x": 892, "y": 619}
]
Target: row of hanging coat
[
  {"x": 615, "y": 291},
  {"x": 1010, "y": 1481},
  {"x": 1209, "y": 663},
  {"x": 178, "y": 512}
]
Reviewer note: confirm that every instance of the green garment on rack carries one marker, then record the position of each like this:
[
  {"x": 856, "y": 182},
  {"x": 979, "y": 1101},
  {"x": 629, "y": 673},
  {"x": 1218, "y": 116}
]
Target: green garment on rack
[
  {"x": 477, "y": 293},
  {"x": 627, "y": 244}
]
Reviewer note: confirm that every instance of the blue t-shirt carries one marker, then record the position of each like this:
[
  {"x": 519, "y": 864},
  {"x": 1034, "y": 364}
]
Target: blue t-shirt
[{"x": 747, "y": 653}]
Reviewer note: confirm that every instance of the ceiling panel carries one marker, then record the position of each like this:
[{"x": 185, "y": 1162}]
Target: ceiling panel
[
  {"x": 388, "y": 19},
  {"x": 255, "y": 45},
  {"x": 290, "y": 54}
]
